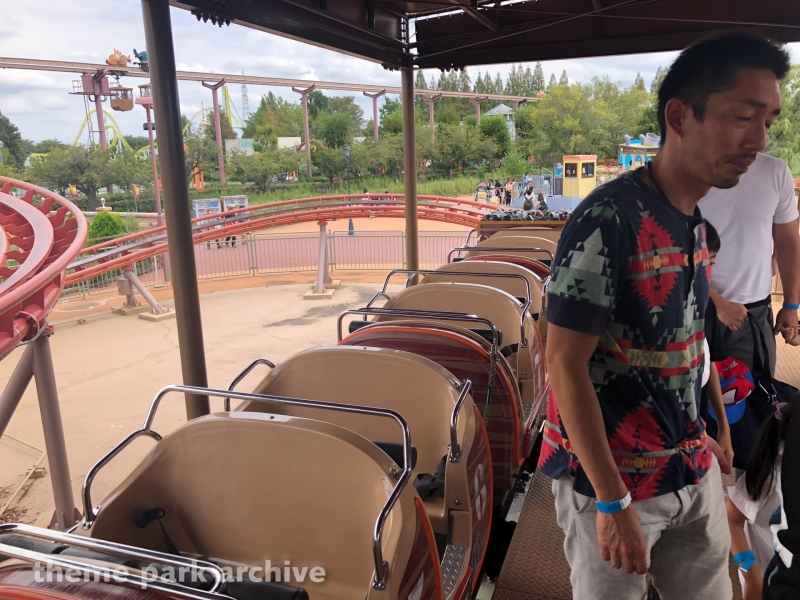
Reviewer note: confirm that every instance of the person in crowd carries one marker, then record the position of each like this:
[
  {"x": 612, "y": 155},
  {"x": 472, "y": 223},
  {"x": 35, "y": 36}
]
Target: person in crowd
[
  {"x": 753, "y": 502},
  {"x": 541, "y": 204},
  {"x": 752, "y": 218},
  {"x": 509, "y": 189},
  {"x": 527, "y": 203},
  {"x": 480, "y": 193},
  {"x": 636, "y": 485}
]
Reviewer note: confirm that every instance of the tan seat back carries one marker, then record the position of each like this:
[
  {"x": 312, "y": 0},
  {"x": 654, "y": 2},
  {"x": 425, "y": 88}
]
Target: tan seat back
[
  {"x": 513, "y": 286},
  {"x": 512, "y": 241},
  {"x": 547, "y": 233},
  {"x": 500, "y": 307},
  {"x": 252, "y": 487},
  {"x": 419, "y": 389}
]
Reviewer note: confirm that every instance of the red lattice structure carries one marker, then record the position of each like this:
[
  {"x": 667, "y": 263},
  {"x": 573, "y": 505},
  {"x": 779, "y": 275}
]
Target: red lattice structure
[{"x": 41, "y": 234}]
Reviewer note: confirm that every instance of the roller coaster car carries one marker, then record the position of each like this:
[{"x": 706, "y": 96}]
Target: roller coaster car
[
  {"x": 452, "y": 467},
  {"x": 478, "y": 333},
  {"x": 243, "y": 488},
  {"x": 519, "y": 243}
]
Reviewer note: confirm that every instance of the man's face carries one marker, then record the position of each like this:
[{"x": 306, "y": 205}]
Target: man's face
[{"x": 719, "y": 149}]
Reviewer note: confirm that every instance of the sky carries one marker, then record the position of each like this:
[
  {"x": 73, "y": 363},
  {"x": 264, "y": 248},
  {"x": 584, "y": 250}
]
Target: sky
[{"x": 39, "y": 104}]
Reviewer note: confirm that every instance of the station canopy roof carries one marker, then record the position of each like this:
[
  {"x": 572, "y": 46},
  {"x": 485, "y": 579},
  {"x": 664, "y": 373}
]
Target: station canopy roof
[{"x": 449, "y": 34}]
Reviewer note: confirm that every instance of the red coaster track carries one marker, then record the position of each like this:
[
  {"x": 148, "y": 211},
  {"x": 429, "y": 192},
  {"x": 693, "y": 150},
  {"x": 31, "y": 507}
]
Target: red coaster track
[
  {"x": 107, "y": 256},
  {"x": 42, "y": 233}
]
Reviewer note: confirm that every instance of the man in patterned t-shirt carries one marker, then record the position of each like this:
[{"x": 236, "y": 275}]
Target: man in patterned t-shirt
[{"x": 626, "y": 311}]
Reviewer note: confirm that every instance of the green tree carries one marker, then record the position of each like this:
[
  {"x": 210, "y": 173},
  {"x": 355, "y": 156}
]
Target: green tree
[
  {"x": 514, "y": 165},
  {"x": 89, "y": 169},
  {"x": 784, "y": 135},
  {"x": 285, "y": 116},
  {"x": 104, "y": 225},
  {"x": 648, "y": 123},
  {"x": 455, "y": 145},
  {"x": 538, "y": 78},
  {"x": 201, "y": 153},
  {"x": 317, "y": 103},
  {"x": 495, "y": 128},
  {"x": 347, "y": 105},
  {"x": 563, "y": 80},
  {"x": 13, "y": 147},
  {"x": 419, "y": 81},
  {"x": 263, "y": 168},
  {"x": 447, "y": 114},
  {"x": 638, "y": 82},
  {"x": 552, "y": 81},
  {"x": 225, "y": 125},
  {"x": 334, "y": 128},
  {"x": 136, "y": 142}
]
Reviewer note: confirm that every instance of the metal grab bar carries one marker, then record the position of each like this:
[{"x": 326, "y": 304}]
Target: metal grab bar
[
  {"x": 455, "y": 449},
  {"x": 120, "y": 574},
  {"x": 381, "y": 567},
  {"x": 526, "y": 307},
  {"x": 226, "y": 404},
  {"x": 503, "y": 249}
]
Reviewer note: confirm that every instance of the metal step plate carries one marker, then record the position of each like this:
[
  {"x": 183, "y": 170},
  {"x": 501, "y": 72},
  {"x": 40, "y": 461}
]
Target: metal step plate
[{"x": 452, "y": 567}]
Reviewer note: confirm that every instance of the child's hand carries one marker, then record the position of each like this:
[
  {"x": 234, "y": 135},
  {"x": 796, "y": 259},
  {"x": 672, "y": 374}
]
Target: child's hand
[{"x": 725, "y": 462}]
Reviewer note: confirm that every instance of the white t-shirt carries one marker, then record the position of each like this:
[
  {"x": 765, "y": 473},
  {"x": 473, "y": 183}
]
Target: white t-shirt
[
  {"x": 757, "y": 528},
  {"x": 743, "y": 216}
]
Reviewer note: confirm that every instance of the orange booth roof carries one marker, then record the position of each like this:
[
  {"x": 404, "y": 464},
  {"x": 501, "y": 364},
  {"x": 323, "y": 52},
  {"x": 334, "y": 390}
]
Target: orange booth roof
[{"x": 581, "y": 157}]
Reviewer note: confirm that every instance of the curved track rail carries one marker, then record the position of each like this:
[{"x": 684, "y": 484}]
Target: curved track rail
[
  {"x": 117, "y": 253},
  {"x": 41, "y": 234}
]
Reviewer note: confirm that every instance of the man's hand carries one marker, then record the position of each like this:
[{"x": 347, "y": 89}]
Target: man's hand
[
  {"x": 622, "y": 540},
  {"x": 730, "y": 313},
  {"x": 723, "y": 450},
  {"x": 786, "y": 324}
]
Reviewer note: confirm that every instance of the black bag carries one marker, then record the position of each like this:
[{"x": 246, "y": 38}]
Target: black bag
[{"x": 760, "y": 404}]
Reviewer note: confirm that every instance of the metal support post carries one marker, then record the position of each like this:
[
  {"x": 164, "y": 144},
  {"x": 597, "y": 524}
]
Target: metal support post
[
  {"x": 53, "y": 428},
  {"x": 410, "y": 164},
  {"x": 375, "y": 111},
  {"x": 161, "y": 53},
  {"x": 16, "y": 387},
  {"x": 131, "y": 275},
  {"x": 101, "y": 123},
  {"x": 477, "y": 102},
  {"x": 322, "y": 266},
  {"x": 328, "y": 279},
  {"x": 220, "y": 152},
  {"x": 304, "y": 93},
  {"x": 147, "y": 103}
]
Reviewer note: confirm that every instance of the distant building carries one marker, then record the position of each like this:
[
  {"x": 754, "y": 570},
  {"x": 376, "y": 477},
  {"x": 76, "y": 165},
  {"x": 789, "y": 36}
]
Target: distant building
[{"x": 507, "y": 113}]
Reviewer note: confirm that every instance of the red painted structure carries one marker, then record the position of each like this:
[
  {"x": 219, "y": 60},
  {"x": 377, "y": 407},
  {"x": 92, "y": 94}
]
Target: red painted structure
[
  {"x": 114, "y": 254},
  {"x": 41, "y": 232}
]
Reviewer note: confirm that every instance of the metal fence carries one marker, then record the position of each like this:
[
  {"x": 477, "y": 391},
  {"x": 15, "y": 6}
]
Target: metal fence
[{"x": 262, "y": 253}]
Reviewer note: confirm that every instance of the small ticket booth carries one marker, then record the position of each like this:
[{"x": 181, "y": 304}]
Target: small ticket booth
[{"x": 579, "y": 175}]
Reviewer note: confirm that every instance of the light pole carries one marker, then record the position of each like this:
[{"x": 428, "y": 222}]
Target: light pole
[
  {"x": 1, "y": 153},
  {"x": 351, "y": 230}
]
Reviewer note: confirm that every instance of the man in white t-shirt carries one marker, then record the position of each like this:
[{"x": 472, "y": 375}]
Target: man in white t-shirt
[{"x": 753, "y": 218}]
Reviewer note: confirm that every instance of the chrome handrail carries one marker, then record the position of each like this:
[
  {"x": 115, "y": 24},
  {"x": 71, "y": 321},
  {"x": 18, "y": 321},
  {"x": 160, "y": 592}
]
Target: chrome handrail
[
  {"x": 526, "y": 307},
  {"x": 498, "y": 249},
  {"x": 455, "y": 449},
  {"x": 226, "y": 403},
  {"x": 116, "y": 549},
  {"x": 381, "y": 567}
]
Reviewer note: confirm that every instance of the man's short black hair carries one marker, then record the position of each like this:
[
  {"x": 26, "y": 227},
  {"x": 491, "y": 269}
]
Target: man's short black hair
[
  {"x": 711, "y": 65},
  {"x": 713, "y": 242}
]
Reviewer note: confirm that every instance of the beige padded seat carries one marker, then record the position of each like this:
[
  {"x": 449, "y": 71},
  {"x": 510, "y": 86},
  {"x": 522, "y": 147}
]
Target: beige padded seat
[
  {"x": 504, "y": 311},
  {"x": 252, "y": 487},
  {"x": 512, "y": 241},
  {"x": 513, "y": 286},
  {"x": 425, "y": 394}
]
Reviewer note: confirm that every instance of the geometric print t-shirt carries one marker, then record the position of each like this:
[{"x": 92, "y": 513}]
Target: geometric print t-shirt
[{"x": 633, "y": 269}]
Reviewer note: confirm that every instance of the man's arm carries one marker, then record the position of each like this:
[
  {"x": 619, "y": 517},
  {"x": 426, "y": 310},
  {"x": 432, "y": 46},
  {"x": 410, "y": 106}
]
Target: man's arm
[
  {"x": 620, "y": 534},
  {"x": 786, "y": 237}
]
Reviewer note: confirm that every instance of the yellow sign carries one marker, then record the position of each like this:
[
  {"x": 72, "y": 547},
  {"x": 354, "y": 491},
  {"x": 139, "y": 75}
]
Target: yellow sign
[{"x": 73, "y": 190}]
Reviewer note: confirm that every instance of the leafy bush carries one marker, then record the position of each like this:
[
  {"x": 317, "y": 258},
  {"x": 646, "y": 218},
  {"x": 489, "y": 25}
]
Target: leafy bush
[
  {"x": 106, "y": 225},
  {"x": 131, "y": 224}
]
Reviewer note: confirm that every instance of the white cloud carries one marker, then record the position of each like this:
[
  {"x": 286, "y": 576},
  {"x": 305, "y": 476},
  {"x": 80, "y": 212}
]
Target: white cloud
[{"x": 88, "y": 31}]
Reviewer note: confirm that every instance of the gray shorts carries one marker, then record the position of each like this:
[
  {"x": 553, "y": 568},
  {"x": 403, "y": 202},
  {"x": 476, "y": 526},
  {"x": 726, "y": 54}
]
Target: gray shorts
[{"x": 687, "y": 536}]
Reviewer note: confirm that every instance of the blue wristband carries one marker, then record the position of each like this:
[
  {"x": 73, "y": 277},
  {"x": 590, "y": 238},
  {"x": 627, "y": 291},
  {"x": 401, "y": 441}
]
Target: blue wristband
[
  {"x": 744, "y": 560},
  {"x": 614, "y": 507},
  {"x": 788, "y": 306}
]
